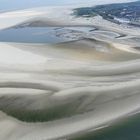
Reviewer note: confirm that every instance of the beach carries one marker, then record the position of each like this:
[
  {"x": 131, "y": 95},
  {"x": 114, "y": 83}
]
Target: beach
[{"x": 85, "y": 81}]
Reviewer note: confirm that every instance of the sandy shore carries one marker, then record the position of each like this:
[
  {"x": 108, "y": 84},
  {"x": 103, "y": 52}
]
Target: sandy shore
[{"x": 52, "y": 92}]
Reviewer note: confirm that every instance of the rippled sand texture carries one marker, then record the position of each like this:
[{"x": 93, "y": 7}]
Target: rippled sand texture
[{"x": 65, "y": 90}]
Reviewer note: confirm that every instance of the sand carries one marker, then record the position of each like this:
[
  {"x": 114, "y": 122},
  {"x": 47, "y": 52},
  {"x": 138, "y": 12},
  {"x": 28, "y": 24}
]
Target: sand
[{"x": 87, "y": 83}]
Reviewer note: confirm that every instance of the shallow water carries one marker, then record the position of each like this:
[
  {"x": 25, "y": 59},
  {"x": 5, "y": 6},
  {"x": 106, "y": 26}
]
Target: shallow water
[
  {"x": 127, "y": 129},
  {"x": 49, "y": 35},
  {"x": 29, "y": 35}
]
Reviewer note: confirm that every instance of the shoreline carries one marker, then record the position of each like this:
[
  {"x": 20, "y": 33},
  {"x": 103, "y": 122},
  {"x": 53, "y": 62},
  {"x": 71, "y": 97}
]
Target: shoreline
[{"x": 87, "y": 83}]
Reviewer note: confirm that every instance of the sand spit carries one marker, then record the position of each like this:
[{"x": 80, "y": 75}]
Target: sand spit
[
  {"x": 89, "y": 93},
  {"x": 59, "y": 91},
  {"x": 103, "y": 114}
]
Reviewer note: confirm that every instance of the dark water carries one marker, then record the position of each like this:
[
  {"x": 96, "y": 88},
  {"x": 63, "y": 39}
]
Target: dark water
[{"x": 128, "y": 129}]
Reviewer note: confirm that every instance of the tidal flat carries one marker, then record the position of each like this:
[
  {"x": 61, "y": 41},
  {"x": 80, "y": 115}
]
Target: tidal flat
[{"x": 68, "y": 77}]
